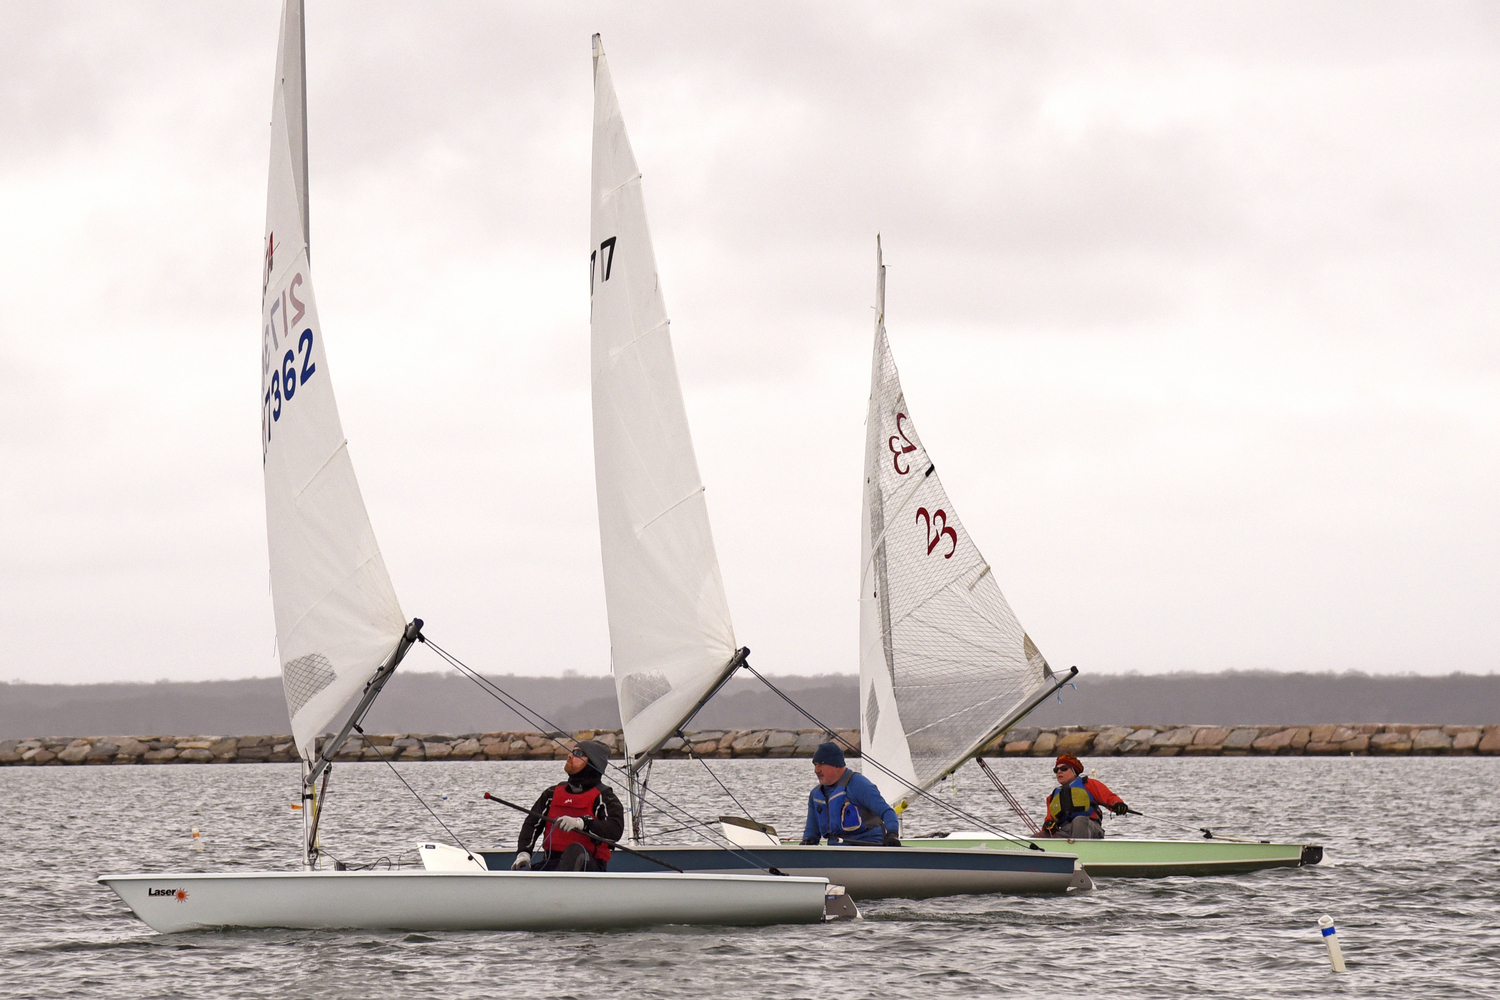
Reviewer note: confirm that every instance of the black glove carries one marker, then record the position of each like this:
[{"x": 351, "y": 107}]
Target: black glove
[
  {"x": 890, "y": 840},
  {"x": 1119, "y": 809},
  {"x": 811, "y": 840}
]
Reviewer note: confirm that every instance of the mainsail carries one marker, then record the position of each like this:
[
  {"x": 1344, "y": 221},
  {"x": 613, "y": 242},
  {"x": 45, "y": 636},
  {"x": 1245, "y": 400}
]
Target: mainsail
[
  {"x": 337, "y": 617},
  {"x": 944, "y": 665},
  {"x": 671, "y": 640}
]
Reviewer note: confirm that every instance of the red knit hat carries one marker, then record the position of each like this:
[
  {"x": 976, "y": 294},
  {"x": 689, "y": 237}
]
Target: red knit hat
[{"x": 1071, "y": 761}]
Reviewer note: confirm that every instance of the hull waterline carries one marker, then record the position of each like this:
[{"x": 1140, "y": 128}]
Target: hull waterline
[{"x": 495, "y": 900}]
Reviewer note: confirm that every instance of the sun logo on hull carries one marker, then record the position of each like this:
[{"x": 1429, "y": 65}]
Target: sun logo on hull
[{"x": 181, "y": 895}]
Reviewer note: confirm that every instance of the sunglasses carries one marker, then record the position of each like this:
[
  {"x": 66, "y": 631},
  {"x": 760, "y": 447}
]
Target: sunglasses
[
  {"x": 575, "y": 752},
  {"x": 1060, "y": 770}
]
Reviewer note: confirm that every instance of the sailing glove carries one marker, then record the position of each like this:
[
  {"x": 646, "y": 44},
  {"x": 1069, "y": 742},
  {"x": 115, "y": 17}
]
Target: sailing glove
[
  {"x": 890, "y": 840},
  {"x": 1119, "y": 809},
  {"x": 811, "y": 840},
  {"x": 523, "y": 860},
  {"x": 572, "y": 824}
]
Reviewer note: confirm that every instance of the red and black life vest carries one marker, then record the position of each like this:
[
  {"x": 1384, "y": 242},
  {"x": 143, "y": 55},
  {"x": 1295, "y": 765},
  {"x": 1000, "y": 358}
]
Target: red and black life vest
[{"x": 566, "y": 803}]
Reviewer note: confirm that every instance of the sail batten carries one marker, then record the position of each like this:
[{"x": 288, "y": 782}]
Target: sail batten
[
  {"x": 671, "y": 638},
  {"x": 337, "y": 617},
  {"x": 943, "y": 660}
]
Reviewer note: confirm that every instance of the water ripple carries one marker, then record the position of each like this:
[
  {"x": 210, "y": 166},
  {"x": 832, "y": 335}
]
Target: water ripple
[{"x": 1414, "y": 893}]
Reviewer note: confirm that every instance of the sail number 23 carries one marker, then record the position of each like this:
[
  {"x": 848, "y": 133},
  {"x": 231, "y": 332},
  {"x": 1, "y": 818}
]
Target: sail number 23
[
  {"x": 904, "y": 448},
  {"x": 938, "y": 519}
]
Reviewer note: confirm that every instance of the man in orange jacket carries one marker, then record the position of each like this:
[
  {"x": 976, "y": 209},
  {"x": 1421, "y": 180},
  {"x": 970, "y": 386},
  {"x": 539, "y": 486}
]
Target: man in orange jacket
[{"x": 1074, "y": 807}]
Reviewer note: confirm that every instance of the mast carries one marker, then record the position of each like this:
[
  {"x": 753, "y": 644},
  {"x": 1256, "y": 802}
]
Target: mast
[
  {"x": 339, "y": 626},
  {"x": 672, "y": 642}
]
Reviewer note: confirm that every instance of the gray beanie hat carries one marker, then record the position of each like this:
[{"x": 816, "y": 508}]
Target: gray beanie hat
[{"x": 597, "y": 753}]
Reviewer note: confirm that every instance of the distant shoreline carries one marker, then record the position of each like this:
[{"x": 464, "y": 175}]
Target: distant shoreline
[
  {"x": 1369, "y": 739},
  {"x": 450, "y": 703}
]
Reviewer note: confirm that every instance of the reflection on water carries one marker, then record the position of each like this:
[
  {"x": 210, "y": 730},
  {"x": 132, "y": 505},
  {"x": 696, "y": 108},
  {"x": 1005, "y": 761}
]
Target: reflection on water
[{"x": 1410, "y": 877}]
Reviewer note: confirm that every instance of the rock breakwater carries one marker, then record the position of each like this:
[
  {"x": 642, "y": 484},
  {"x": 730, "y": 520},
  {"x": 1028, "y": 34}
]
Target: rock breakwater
[{"x": 1101, "y": 741}]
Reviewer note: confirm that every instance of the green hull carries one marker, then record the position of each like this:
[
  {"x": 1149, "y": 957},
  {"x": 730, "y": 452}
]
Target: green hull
[{"x": 1121, "y": 858}]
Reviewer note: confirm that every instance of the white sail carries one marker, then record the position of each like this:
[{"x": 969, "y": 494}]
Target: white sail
[
  {"x": 942, "y": 658},
  {"x": 337, "y": 618},
  {"x": 671, "y": 640}
]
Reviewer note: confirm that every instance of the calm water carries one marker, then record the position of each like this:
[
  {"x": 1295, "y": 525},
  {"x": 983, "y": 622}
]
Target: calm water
[{"x": 1413, "y": 850}]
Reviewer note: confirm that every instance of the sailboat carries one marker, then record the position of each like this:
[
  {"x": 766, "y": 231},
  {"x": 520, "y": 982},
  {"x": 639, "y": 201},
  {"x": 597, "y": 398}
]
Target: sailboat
[
  {"x": 945, "y": 667},
  {"x": 672, "y": 642},
  {"x": 341, "y": 633}
]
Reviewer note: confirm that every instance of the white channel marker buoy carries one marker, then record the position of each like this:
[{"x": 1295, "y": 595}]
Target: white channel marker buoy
[
  {"x": 1331, "y": 939},
  {"x": 197, "y": 840}
]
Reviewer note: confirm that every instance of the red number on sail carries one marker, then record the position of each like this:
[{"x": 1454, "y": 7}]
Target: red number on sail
[
  {"x": 906, "y": 449},
  {"x": 938, "y": 519}
]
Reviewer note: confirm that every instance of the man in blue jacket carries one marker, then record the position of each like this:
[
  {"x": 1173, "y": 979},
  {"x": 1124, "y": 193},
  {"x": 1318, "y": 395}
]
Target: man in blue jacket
[{"x": 846, "y": 807}]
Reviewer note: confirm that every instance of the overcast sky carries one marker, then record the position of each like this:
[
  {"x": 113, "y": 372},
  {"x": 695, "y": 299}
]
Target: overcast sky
[{"x": 1195, "y": 306}]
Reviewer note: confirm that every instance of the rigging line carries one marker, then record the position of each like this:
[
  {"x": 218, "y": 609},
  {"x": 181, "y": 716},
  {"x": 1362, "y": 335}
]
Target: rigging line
[
  {"x": 1208, "y": 834},
  {"x": 693, "y": 754},
  {"x": 1003, "y": 835},
  {"x": 1010, "y": 799},
  {"x": 530, "y": 715},
  {"x": 419, "y": 798}
]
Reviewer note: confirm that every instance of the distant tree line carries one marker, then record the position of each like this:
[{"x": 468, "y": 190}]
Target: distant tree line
[{"x": 450, "y": 703}]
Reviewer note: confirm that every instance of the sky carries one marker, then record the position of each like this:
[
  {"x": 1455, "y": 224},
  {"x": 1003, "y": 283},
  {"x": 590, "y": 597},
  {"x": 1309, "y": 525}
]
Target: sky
[{"x": 1195, "y": 305}]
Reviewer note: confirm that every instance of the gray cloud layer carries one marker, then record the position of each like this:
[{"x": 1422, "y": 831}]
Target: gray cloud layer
[{"x": 1194, "y": 305}]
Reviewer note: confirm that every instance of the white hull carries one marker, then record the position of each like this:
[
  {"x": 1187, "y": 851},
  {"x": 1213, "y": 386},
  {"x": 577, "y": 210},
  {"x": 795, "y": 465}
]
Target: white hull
[{"x": 502, "y": 900}]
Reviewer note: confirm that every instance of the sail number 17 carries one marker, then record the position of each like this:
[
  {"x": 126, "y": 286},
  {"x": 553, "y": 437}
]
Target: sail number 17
[{"x": 602, "y": 261}]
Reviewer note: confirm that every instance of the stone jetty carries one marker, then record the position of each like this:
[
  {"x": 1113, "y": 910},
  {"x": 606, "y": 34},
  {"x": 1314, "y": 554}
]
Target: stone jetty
[{"x": 1101, "y": 741}]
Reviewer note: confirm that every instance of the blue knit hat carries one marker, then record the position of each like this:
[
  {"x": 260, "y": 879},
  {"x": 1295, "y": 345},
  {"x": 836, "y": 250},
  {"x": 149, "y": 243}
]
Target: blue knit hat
[{"x": 829, "y": 753}]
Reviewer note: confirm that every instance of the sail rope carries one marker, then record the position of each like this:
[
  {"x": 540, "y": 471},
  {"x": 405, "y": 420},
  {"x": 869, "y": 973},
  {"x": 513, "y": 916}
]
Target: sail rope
[
  {"x": 553, "y": 733},
  {"x": 688, "y": 744},
  {"x": 413, "y": 791},
  {"x": 967, "y": 817},
  {"x": 1010, "y": 799}
]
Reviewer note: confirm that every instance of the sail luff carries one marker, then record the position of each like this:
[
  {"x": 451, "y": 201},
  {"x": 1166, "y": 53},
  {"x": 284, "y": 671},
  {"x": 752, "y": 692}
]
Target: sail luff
[
  {"x": 671, "y": 638},
  {"x": 337, "y": 617},
  {"x": 943, "y": 661}
]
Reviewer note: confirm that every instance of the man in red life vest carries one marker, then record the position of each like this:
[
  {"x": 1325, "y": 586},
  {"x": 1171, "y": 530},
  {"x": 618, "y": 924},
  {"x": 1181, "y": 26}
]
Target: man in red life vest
[
  {"x": 1074, "y": 806},
  {"x": 580, "y": 806}
]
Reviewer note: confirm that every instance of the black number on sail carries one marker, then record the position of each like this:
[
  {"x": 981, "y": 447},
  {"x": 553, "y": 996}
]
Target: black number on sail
[{"x": 606, "y": 253}]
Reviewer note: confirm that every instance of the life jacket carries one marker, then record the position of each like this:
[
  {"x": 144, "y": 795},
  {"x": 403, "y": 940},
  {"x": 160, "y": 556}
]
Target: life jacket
[
  {"x": 1077, "y": 801},
  {"x": 566, "y": 803},
  {"x": 838, "y": 816}
]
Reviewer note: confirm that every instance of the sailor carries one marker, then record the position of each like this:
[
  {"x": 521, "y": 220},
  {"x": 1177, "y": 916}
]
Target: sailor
[
  {"x": 846, "y": 807},
  {"x": 580, "y": 806},
  {"x": 1074, "y": 806}
]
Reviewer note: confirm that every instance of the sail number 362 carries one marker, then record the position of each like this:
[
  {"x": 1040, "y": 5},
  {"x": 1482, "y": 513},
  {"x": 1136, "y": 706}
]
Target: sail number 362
[{"x": 296, "y": 368}]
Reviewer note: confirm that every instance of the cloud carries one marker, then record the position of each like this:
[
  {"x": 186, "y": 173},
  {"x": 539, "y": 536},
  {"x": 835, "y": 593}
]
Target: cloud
[{"x": 1192, "y": 304}]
